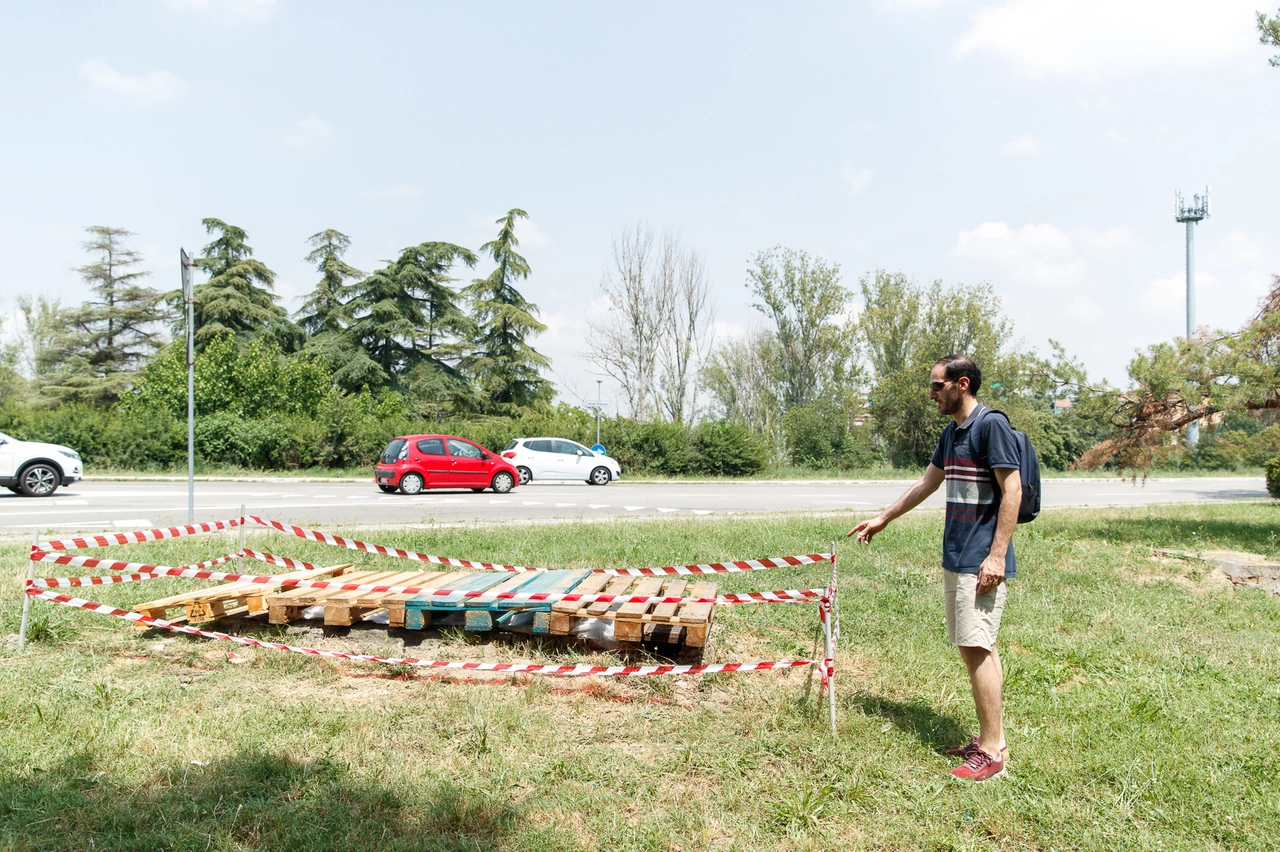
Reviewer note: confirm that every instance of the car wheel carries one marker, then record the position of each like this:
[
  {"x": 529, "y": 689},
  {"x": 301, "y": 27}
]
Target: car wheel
[
  {"x": 410, "y": 483},
  {"x": 503, "y": 482},
  {"x": 600, "y": 476},
  {"x": 387, "y": 489},
  {"x": 39, "y": 480},
  {"x": 526, "y": 475}
]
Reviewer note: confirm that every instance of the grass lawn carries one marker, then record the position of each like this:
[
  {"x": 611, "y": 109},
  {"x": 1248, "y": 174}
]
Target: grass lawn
[{"x": 1143, "y": 708}]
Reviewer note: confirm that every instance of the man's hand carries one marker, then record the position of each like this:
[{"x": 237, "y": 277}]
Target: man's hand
[
  {"x": 991, "y": 574},
  {"x": 867, "y": 529}
]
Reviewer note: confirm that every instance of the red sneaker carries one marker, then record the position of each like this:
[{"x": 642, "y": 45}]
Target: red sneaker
[
  {"x": 980, "y": 766},
  {"x": 967, "y": 750}
]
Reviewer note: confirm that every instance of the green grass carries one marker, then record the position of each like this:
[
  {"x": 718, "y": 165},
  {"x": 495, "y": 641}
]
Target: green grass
[{"x": 1143, "y": 709}]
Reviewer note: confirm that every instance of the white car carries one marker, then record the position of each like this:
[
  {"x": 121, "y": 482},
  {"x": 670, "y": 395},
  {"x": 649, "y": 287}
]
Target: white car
[
  {"x": 35, "y": 469},
  {"x": 545, "y": 459}
]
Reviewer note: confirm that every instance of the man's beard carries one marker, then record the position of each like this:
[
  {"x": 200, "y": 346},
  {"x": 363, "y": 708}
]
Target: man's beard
[{"x": 949, "y": 405}]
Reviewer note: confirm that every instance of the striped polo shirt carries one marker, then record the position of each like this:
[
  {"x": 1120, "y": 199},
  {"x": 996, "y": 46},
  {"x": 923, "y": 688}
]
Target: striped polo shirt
[{"x": 966, "y": 454}]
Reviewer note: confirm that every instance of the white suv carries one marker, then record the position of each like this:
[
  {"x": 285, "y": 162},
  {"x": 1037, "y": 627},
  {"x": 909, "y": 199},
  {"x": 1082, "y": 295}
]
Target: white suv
[
  {"x": 538, "y": 459},
  {"x": 34, "y": 469}
]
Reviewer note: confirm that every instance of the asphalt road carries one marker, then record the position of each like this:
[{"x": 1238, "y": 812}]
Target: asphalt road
[{"x": 121, "y": 505}]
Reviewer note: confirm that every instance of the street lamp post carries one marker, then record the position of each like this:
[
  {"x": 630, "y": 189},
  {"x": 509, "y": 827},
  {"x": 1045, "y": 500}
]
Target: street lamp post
[{"x": 188, "y": 299}]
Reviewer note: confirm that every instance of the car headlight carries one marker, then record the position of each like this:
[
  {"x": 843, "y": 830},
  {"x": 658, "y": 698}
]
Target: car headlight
[{"x": 71, "y": 454}]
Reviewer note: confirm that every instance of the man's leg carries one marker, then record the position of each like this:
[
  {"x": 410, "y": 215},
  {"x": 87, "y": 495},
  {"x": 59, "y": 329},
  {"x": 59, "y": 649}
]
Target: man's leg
[{"x": 986, "y": 677}]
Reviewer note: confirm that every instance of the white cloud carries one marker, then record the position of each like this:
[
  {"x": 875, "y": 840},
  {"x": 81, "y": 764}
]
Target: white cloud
[
  {"x": 1167, "y": 295},
  {"x": 1023, "y": 146},
  {"x": 916, "y": 5},
  {"x": 156, "y": 87},
  {"x": 401, "y": 191},
  {"x": 1107, "y": 239},
  {"x": 1093, "y": 38},
  {"x": 1113, "y": 135},
  {"x": 857, "y": 178},
  {"x": 305, "y": 133},
  {"x": 234, "y": 11},
  {"x": 1241, "y": 250},
  {"x": 531, "y": 235},
  {"x": 1037, "y": 255}
]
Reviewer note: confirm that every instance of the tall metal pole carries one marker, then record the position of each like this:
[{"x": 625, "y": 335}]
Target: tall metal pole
[
  {"x": 598, "y": 381},
  {"x": 188, "y": 296},
  {"x": 1191, "y": 278},
  {"x": 1190, "y": 214}
]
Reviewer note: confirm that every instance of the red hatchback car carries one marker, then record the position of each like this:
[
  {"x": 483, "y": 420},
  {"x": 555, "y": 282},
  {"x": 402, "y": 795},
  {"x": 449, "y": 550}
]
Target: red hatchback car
[{"x": 414, "y": 462}]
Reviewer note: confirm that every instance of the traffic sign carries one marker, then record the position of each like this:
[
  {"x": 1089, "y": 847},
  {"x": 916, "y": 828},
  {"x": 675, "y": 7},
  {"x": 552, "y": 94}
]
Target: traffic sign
[{"x": 598, "y": 449}]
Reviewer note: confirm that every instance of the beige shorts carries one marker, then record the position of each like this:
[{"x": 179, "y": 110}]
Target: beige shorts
[{"x": 973, "y": 620}]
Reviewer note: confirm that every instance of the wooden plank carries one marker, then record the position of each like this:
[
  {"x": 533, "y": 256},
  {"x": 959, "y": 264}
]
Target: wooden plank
[
  {"x": 674, "y": 589},
  {"x": 628, "y": 623},
  {"x": 480, "y": 581},
  {"x": 395, "y": 603},
  {"x": 699, "y": 612},
  {"x": 590, "y": 585},
  {"x": 238, "y": 588},
  {"x": 615, "y": 586},
  {"x": 545, "y": 582}
]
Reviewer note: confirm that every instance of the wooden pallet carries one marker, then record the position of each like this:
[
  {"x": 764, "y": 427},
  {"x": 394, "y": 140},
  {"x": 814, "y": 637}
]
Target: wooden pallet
[
  {"x": 677, "y": 623},
  {"x": 237, "y": 598},
  {"x": 486, "y": 615},
  {"x": 342, "y": 608}
]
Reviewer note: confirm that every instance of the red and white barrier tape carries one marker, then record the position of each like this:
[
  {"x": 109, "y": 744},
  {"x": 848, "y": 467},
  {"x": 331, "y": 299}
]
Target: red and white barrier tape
[
  {"x": 511, "y": 668},
  {"x": 707, "y": 568},
  {"x": 107, "y": 539},
  {"x": 777, "y": 596},
  {"x": 38, "y": 555},
  {"x": 116, "y": 565}
]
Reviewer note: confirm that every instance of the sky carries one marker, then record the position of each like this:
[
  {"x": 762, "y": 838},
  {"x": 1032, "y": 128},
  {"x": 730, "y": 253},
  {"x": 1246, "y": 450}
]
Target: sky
[{"x": 1032, "y": 144}]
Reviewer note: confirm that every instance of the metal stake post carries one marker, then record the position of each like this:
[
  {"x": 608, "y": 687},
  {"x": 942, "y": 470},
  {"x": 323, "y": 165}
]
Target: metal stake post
[
  {"x": 831, "y": 630},
  {"x": 26, "y": 598},
  {"x": 240, "y": 558},
  {"x": 598, "y": 381}
]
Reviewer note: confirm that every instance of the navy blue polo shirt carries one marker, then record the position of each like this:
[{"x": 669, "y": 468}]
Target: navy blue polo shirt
[{"x": 967, "y": 455}]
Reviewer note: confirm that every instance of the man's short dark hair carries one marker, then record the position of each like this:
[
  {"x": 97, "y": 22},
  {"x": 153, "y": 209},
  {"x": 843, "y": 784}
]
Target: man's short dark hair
[{"x": 958, "y": 366}]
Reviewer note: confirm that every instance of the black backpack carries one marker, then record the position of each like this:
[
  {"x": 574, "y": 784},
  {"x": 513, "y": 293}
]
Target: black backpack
[{"x": 1028, "y": 470}]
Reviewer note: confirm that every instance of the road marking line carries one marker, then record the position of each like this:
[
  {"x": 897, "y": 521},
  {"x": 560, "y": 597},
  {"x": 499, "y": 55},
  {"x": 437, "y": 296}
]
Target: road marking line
[
  {"x": 562, "y": 505},
  {"x": 634, "y": 508},
  {"x": 702, "y": 511},
  {"x": 668, "y": 510},
  {"x": 598, "y": 505}
]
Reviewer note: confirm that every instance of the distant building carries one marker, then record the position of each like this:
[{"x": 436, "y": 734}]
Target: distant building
[{"x": 1061, "y": 406}]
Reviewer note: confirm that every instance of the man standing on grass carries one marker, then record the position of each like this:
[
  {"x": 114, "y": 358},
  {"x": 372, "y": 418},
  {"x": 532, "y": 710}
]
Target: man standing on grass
[{"x": 977, "y": 457}]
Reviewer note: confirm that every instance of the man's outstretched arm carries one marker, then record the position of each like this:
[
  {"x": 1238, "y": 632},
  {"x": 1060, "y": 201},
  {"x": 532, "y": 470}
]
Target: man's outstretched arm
[{"x": 914, "y": 496}]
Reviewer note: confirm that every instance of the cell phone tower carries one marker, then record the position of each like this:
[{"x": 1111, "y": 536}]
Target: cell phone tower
[{"x": 1190, "y": 214}]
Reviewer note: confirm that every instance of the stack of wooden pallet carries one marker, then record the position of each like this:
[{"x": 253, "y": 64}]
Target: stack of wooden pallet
[{"x": 238, "y": 598}]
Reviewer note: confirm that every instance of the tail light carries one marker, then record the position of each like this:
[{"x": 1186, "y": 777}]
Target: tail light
[{"x": 509, "y": 455}]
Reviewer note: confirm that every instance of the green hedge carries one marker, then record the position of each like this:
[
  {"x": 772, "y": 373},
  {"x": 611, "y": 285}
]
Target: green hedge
[{"x": 1273, "y": 477}]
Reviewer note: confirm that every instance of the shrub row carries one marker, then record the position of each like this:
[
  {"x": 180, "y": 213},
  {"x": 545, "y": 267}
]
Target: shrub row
[{"x": 350, "y": 432}]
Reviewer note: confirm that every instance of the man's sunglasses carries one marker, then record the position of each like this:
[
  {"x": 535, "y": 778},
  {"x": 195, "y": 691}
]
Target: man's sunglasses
[{"x": 937, "y": 386}]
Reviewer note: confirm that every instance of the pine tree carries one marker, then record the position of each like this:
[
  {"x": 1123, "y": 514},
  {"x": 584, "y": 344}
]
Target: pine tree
[
  {"x": 238, "y": 296},
  {"x": 325, "y": 309},
  {"x": 505, "y": 367},
  {"x": 406, "y": 318},
  {"x": 100, "y": 345}
]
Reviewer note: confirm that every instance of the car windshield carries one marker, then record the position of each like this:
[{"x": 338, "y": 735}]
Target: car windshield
[{"x": 392, "y": 452}]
